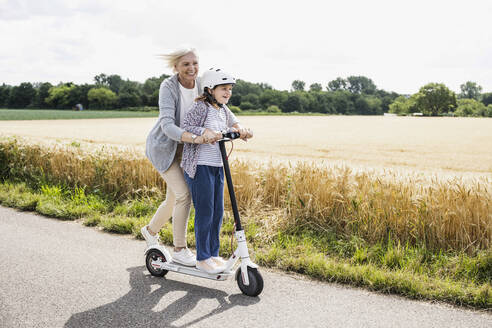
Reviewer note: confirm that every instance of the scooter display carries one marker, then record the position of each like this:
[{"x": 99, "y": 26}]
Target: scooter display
[{"x": 249, "y": 280}]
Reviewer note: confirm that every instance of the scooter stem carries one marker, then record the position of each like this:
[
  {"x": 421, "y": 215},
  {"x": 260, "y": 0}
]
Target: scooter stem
[{"x": 230, "y": 187}]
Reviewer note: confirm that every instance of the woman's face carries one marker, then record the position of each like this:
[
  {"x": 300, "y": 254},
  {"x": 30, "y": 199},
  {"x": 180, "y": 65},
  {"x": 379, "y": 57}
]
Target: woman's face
[
  {"x": 222, "y": 93},
  {"x": 187, "y": 68}
]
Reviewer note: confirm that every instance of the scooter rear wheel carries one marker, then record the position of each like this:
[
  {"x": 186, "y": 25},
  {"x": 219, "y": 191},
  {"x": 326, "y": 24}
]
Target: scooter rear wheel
[
  {"x": 154, "y": 255},
  {"x": 255, "y": 286}
]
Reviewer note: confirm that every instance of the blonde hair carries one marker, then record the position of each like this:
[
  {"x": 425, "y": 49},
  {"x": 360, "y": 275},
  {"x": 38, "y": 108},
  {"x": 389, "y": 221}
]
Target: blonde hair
[{"x": 174, "y": 57}]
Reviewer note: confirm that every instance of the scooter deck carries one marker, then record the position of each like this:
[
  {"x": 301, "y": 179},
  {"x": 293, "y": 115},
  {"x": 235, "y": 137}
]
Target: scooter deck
[{"x": 192, "y": 271}]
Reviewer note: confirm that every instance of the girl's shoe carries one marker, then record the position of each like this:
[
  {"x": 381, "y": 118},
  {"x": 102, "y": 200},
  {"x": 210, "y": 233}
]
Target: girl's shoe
[
  {"x": 219, "y": 261},
  {"x": 209, "y": 266},
  {"x": 151, "y": 240}
]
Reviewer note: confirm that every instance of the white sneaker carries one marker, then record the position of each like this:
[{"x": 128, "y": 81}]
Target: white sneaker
[
  {"x": 184, "y": 257},
  {"x": 151, "y": 240},
  {"x": 209, "y": 266},
  {"x": 219, "y": 261}
]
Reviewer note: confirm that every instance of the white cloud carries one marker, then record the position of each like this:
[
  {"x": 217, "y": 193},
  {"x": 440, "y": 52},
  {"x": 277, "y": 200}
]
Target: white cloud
[{"x": 400, "y": 45}]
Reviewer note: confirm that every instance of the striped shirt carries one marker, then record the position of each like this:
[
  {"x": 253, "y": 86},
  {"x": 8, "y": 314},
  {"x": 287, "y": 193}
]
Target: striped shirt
[
  {"x": 209, "y": 154},
  {"x": 193, "y": 122}
]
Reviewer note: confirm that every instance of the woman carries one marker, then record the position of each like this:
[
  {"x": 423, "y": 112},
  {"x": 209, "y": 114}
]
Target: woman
[{"x": 164, "y": 149}]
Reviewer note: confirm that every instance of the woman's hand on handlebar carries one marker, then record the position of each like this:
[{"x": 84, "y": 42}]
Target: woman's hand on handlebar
[{"x": 210, "y": 136}]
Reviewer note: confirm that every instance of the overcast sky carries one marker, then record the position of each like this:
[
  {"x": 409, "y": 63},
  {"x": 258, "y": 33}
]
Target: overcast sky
[{"x": 400, "y": 45}]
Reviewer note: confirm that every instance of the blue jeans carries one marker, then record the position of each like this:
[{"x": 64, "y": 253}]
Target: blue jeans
[{"x": 207, "y": 192}]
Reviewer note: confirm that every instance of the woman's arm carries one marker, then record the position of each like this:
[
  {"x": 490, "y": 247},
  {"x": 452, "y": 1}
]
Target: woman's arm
[{"x": 167, "y": 113}]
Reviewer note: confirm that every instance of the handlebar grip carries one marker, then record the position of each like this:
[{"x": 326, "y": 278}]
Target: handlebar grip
[{"x": 231, "y": 135}]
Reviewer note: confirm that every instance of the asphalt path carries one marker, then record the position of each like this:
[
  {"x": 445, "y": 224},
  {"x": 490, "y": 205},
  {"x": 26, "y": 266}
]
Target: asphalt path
[{"x": 62, "y": 274}]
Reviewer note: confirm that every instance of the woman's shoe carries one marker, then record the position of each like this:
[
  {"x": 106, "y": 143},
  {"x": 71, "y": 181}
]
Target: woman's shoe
[
  {"x": 209, "y": 266},
  {"x": 184, "y": 257},
  {"x": 151, "y": 240}
]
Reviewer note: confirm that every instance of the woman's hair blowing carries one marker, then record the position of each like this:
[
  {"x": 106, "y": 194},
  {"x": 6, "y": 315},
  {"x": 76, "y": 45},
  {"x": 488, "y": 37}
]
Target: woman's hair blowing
[{"x": 173, "y": 58}]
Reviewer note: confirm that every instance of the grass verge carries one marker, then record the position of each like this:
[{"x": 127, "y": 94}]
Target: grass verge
[{"x": 388, "y": 267}]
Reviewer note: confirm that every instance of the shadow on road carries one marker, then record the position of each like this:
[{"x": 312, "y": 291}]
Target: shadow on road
[{"x": 136, "y": 308}]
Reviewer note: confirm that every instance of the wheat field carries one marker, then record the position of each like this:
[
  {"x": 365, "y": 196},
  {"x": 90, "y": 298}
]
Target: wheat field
[{"x": 434, "y": 146}]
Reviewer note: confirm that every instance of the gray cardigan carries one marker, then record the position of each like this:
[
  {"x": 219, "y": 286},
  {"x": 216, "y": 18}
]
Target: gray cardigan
[{"x": 163, "y": 139}]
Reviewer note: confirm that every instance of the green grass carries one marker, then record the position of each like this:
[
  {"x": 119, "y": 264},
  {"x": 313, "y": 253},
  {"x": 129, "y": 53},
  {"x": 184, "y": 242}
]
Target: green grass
[
  {"x": 265, "y": 113},
  {"x": 54, "y": 114},
  {"x": 386, "y": 267},
  {"x": 58, "y": 114}
]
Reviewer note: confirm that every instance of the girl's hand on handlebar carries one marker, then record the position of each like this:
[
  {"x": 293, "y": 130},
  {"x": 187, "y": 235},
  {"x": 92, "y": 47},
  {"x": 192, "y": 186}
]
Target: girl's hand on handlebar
[{"x": 245, "y": 134}]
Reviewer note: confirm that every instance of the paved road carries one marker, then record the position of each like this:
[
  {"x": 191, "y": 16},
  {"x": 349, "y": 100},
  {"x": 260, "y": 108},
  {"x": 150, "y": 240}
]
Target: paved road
[{"x": 61, "y": 274}]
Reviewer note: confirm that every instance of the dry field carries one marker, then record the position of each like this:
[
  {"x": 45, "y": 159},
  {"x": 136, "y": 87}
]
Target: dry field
[{"x": 435, "y": 146}]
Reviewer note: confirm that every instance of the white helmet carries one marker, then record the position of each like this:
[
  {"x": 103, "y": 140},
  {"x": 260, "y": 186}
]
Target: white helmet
[{"x": 214, "y": 77}]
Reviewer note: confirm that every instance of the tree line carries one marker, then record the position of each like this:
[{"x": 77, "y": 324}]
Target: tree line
[
  {"x": 354, "y": 95},
  {"x": 435, "y": 99},
  {"x": 107, "y": 92}
]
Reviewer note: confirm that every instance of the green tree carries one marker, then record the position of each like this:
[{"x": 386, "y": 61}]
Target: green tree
[
  {"x": 316, "y": 87},
  {"x": 59, "y": 96},
  {"x": 252, "y": 99},
  {"x": 402, "y": 106},
  {"x": 101, "y": 80},
  {"x": 337, "y": 84},
  {"x": 42, "y": 92},
  {"x": 487, "y": 98},
  {"x": 271, "y": 97},
  {"x": 79, "y": 95},
  {"x": 470, "y": 107},
  {"x": 292, "y": 103},
  {"x": 101, "y": 98},
  {"x": 386, "y": 99},
  {"x": 470, "y": 90},
  {"x": 243, "y": 88},
  {"x": 374, "y": 105},
  {"x": 434, "y": 99},
  {"x": 151, "y": 88},
  {"x": 488, "y": 111},
  {"x": 4, "y": 95},
  {"x": 361, "y": 84},
  {"x": 115, "y": 83},
  {"x": 342, "y": 102},
  {"x": 21, "y": 96},
  {"x": 399, "y": 106},
  {"x": 130, "y": 94},
  {"x": 366, "y": 105},
  {"x": 298, "y": 85},
  {"x": 318, "y": 102}
]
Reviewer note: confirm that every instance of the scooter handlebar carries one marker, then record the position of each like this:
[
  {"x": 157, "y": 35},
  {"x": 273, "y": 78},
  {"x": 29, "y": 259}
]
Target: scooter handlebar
[{"x": 231, "y": 135}]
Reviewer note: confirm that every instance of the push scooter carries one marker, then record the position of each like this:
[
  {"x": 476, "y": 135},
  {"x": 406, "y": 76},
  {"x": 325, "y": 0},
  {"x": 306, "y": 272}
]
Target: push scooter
[{"x": 159, "y": 261}]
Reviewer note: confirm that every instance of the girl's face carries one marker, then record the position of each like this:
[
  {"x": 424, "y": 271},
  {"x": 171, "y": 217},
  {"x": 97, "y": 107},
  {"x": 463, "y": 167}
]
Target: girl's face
[
  {"x": 222, "y": 93},
  {"x": 187, "y": 68}
]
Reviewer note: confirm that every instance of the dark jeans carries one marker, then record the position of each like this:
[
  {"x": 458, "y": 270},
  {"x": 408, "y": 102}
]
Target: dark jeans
[{"x": 207, "y": 192}]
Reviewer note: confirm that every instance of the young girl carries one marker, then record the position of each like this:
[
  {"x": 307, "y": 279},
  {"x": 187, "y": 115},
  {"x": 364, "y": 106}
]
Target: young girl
[{"x": 202, "y": 164}]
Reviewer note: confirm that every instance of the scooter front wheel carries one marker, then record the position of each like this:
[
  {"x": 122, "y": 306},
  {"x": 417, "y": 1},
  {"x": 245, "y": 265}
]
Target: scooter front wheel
[
  {"x": 154, "y": 255},
  {"x": 255, "y": 286}
]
